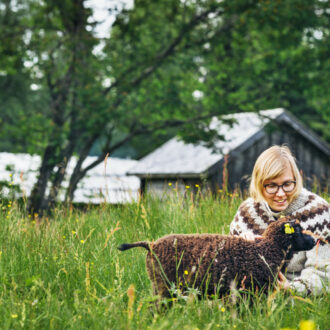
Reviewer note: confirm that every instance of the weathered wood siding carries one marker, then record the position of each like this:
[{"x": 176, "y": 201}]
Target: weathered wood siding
[{"x": 314, "y": 164}]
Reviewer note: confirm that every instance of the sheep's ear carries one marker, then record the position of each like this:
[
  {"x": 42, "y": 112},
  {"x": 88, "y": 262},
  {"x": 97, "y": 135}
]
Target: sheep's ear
[{"x": 288, "y": 229}]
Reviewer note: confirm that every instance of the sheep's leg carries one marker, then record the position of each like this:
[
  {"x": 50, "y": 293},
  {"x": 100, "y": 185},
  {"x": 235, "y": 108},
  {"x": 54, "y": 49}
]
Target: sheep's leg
[{"x": 159, "y": 287}]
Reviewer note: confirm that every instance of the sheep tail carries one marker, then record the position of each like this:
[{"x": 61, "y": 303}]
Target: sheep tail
[{"x": 127, "y": 246}]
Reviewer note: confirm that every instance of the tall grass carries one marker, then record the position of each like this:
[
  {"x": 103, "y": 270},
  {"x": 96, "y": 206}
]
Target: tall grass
[{"x": 66, "y": 272}]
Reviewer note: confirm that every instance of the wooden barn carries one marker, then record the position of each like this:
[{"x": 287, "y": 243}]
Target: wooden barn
[{"x": 188, "y": 165}]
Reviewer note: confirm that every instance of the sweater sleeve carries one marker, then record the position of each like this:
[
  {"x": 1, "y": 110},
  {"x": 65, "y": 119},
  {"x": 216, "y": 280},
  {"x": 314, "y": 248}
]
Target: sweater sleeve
[
  {"x": 247, "y": 220},
  {"x": 238, "y": 226},
  {"x": 315, "y": 275}
]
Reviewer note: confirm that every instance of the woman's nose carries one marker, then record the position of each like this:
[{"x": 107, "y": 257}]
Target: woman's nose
[{"x": 280, "y": 192}]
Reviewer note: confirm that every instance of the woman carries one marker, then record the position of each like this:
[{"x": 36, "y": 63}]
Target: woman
[{"x": 276, "y": 190}]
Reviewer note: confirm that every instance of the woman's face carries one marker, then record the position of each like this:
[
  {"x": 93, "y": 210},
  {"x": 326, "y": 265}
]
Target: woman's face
[{"x": 280, "y": 200}]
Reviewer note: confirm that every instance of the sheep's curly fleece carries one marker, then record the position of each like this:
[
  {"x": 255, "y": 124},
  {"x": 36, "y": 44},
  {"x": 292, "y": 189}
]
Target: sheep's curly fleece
[{"x": 210, "y": 262}]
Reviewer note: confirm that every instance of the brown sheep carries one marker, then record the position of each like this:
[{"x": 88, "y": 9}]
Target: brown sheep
[{"x": 211, "y": 262}]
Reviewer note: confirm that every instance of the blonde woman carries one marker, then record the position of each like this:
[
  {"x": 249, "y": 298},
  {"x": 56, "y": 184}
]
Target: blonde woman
[{"x": 276, "y": 190}]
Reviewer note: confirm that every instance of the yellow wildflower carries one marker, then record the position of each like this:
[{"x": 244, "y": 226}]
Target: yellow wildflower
[
  {"x": 223, "y": 309},
  {"x": 186, "y": 272},
  {"x": 197, "y": 185},
  {"x": 170, "y": 184},
  {"x": 14, "y": 316},
  {"x": 82, "y": 241},
  {"x": 187, "y": 187},
  {"x": 307, "y": 325},
  {"x": 73, "y": 232}
]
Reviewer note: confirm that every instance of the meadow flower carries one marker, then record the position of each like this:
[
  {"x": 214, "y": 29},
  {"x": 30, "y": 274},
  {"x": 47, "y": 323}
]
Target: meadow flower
[
  {"x": 222, "y": 309},
  {"x": 82, "y": 241},
  {"x": 170, "y": 184},
  {"x": 186, "y": 272},
  {"x": 197, "y": 185},
  {"x": 14, "y": 316},
  {"x": 307, "y": 325},
  {"x": 73, "y": 232},
  {"x": 187, "y": 187}
]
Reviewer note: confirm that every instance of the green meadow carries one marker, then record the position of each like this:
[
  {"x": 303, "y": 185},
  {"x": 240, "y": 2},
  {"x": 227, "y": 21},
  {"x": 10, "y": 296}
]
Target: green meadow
[{"x": 65, "y": 272}]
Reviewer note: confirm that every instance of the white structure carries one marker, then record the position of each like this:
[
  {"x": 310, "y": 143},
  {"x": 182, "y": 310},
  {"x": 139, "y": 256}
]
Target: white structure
[{"x": 106, "y": 182}]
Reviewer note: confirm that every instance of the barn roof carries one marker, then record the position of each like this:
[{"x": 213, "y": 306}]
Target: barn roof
[
  {"x": 178, "y": 159},
  {"x": 101, "y": 184}
]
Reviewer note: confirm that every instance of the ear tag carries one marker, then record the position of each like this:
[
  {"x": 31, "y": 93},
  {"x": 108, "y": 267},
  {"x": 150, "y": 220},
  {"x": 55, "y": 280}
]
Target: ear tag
[{"x": 288, "y": 229}]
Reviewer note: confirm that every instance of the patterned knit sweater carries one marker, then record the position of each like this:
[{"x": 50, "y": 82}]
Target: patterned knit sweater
[{"x": 308, "y": 271}]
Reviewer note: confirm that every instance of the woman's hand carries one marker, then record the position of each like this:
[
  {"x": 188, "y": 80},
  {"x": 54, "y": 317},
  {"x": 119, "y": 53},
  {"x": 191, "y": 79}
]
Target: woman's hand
[
  {"x": 282, "y": 282},
  {"x": 249, "y": 236}
]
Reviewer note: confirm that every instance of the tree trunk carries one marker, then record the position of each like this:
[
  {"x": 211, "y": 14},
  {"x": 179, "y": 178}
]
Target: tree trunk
[
  {"x": 37, "y": 200},
  {"x": 77, "y": 174}
]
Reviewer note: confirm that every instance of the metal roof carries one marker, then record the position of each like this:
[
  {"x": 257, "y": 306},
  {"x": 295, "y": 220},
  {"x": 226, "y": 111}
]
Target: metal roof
[
  {"x": 176, "y": 158},
  {"x": 101, "y": 184}
]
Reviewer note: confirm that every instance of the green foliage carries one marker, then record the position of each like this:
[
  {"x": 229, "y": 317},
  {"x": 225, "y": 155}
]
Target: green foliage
[
  {"x": 66, "y": 272},
  {"x": 166, "y": 68}
]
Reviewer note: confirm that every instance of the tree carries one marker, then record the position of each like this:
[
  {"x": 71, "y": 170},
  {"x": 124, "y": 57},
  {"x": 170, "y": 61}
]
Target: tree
[{"x": 166, "y": 65}]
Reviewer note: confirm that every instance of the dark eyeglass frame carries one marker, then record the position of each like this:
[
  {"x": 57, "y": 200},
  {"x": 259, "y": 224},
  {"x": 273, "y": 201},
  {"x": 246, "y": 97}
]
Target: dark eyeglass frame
[{"x": 280, "y": 186}]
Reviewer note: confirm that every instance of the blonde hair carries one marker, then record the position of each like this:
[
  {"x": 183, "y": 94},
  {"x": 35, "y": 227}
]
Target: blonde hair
[{"x": 270, "y": 164}]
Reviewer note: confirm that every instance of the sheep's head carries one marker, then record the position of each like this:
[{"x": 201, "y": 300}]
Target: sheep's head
[{"x": 290, "y": 231}]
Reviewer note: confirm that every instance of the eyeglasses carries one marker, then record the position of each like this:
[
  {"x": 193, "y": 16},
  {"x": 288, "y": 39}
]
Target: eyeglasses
[{"x": 272, "y": 188}]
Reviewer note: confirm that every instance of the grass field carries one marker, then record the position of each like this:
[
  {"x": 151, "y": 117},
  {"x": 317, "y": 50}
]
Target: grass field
[{"x": 66, "y": 272}]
